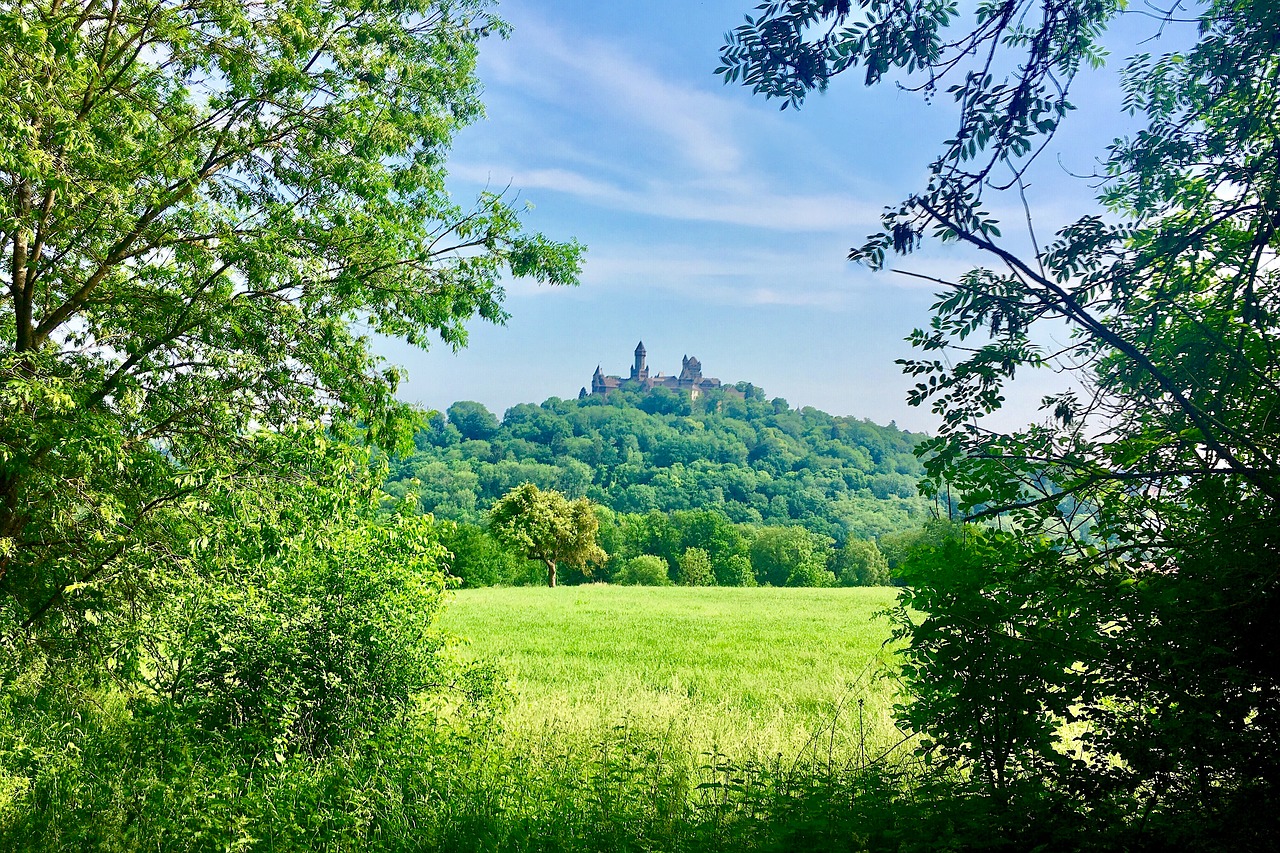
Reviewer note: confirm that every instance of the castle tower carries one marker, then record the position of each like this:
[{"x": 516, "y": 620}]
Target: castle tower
[
  {"x": 597, "y": 381},
  {"x": 639, "y": 371}
]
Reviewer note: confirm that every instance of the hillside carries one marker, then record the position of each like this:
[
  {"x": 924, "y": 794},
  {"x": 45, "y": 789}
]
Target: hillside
[{"x": 756, "y": 461}]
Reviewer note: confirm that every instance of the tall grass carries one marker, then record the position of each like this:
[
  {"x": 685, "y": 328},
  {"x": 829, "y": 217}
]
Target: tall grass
[
  {"x": 637, "y": 720},
  {"x": 752, "y": 674}
]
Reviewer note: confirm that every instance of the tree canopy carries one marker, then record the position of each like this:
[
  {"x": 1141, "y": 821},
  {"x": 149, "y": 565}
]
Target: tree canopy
[
  {"x": 750, "y": 460},
  {"x": 1137, "y": 586},
  {"x": 206, "y": 208},
  {"x": 546, "y": 526}
]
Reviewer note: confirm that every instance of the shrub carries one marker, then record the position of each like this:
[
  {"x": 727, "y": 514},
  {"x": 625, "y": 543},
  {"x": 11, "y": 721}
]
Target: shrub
[
  {"x": 645, "y": 570},
  {"x": 695, "y": 568},
  {"x": 860, "y": 563},
  {"x": 314, "y": 646}
]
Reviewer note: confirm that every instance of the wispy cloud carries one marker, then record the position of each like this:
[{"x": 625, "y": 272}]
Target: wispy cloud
[
  {"x": 609, "y": 130},
  {"x": 601, "y": 79},
  {"x": 807, "y": 274},
  {"x": 751, "y": 208}
]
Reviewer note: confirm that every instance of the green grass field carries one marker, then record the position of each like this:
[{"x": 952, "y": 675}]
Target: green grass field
[{"x": 751, "y": 673}]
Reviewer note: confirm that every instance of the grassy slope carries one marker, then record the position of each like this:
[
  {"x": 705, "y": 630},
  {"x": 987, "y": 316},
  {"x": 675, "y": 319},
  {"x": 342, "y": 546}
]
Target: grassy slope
[{"x": 750, "y": 672}]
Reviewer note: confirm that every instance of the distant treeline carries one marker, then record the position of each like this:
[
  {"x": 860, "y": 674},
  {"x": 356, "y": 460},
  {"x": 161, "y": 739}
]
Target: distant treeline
[
  {"x": 695, "y": 548},
  {"x": 755, "y": 461}
]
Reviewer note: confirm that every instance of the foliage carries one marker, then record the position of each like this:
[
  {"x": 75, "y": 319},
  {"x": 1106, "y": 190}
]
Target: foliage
[
  {"x": 695, "y": 568},
  {"x": 472, "y": 421},
  {"x": 199, "y": 201},
  {"x": 1149, "y": 498},
  {"x": 209, "y": 637},
  {"x": 790, "y": 556},
  {"x": 1021, "y": 679},
  {"x": 302, "y": 643},
  {"x": 548, "y": 527},
  {"x": 266, "y": 689},
  {"x": 749, "y": 460},
  {"x": 860, "y": 563},
  {"x": 476, "y": 558},
  {"x": 644, "y": 570},
  {"x": 737, "y": 571}
]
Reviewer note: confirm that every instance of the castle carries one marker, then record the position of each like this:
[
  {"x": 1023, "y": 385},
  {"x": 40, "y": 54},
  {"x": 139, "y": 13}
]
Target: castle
[{"x": 690, "y": 379}]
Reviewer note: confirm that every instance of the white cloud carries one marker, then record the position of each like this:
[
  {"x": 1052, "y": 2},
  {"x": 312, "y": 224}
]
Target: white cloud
[
  {"x": 728, "y": 206},
  {"x": 603, "y": 127},
  {"x": 599, "y": 76},
  {"x": 803, "y": 275}
]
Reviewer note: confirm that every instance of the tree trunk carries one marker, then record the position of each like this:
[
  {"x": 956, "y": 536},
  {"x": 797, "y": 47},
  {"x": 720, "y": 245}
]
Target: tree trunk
[{"x": 551, "y": 573}]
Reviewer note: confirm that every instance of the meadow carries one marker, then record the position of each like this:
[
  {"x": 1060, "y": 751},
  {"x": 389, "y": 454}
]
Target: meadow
[{"x": 751, "y": 673}]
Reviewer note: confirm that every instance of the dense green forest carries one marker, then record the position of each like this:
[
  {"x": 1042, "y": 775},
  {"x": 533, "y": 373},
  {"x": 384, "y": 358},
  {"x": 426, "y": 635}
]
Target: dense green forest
[
  {"x": 721, "y": 473},
  {"x": 756, "y": 461}
]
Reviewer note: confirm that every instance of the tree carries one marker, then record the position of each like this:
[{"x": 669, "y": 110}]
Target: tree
[
  {"x": 1156, "y": 482},
  {"x": 546, "y": 526},
  {"x": 737, "y": 571},
  {"x": 695, "y": 568},
  {"x": 644, "y": 570},
  {"x": 473, "y": 420},
  {"x": 476, "y": 558},
  {"x": 199, "y": 200},
  {"x": 790, "y": 556},
  {"x": 860, "y": 563}
]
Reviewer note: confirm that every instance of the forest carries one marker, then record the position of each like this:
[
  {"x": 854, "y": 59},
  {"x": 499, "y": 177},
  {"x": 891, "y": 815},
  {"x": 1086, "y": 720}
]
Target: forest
[
  {"x": 239, "y": 603},
  {"x": 718, "y": 473}
]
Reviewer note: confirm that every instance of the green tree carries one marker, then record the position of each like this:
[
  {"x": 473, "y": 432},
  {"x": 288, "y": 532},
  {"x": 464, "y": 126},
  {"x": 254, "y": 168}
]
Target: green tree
[
  {"x": 664, "y": 401},
  {"x": 644, "y": 570},
  {"x": 473, "y": 420},
  {"x": 695, "y": 568},
  {"x": 476, "y": 558},
  {"x": 546, "y": 526},
  {"x": 790, "y": 556},
  {"x": 199, "y": 201},
  {"x": 654, "y": 533},
  {"x": 1155, "y": 482},
  {"x": 860, "y": 563},
  {"x": 737, "y": 571},
  {"x": 711, "y": 531}
]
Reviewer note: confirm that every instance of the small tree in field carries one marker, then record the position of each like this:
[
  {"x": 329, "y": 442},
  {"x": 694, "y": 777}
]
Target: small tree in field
[
  {"x": 547, "y": 526},
  {"x": 644, "y": 570},
  {"x": 695, "y": 568}
]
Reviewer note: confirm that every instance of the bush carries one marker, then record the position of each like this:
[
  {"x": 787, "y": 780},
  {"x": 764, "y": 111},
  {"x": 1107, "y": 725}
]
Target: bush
[
  {"x": 860, "y": 563},
  {"x": 645, "y": 570},
  {"x": 316, "y": 645},
  {"x": 695, "y": 568}
]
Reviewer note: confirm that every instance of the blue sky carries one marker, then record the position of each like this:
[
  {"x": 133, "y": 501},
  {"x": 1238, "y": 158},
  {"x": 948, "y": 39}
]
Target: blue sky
[{"x": 715, "y": 224}]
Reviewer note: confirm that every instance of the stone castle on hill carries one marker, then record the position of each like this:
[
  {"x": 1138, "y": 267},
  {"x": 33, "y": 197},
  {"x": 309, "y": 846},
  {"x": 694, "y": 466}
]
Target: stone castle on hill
[{"x": 690, "y": 379}]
